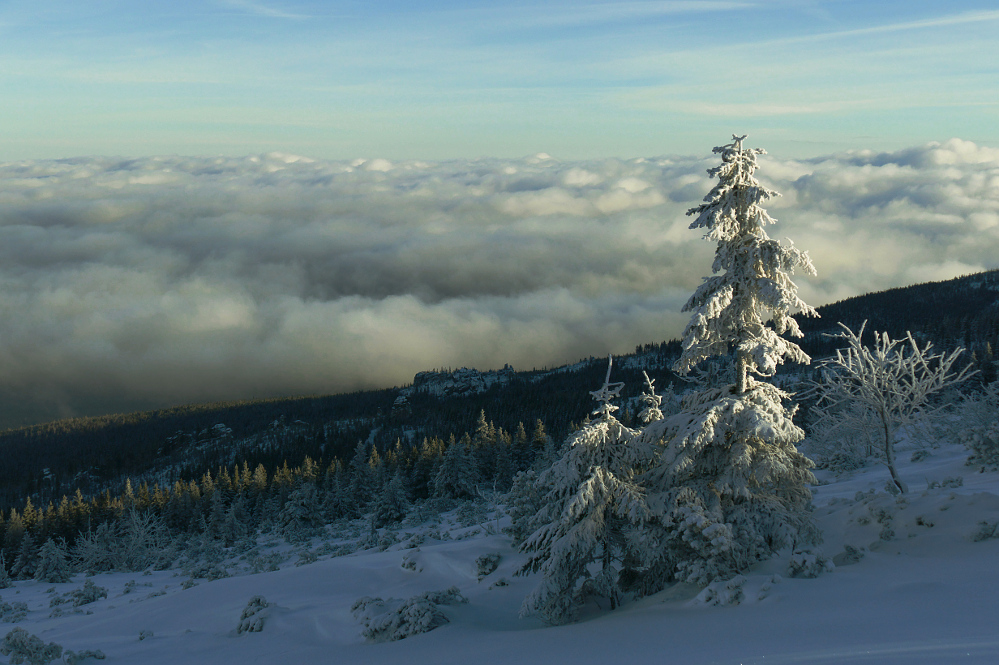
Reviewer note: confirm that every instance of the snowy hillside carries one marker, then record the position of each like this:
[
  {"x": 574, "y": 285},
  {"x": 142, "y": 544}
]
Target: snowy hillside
[{"x": 915, "y": 582}]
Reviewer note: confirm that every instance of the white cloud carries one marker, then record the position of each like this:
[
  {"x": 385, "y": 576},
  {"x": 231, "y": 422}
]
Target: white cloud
[{"x": 147, "y": 282}]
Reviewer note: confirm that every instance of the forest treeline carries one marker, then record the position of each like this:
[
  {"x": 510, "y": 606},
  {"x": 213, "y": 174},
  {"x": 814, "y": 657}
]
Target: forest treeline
[{"x": 232, "y": 503}]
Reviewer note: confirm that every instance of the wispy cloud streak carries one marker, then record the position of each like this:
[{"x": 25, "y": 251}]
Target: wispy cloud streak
[{"x": 260, "y": 9}]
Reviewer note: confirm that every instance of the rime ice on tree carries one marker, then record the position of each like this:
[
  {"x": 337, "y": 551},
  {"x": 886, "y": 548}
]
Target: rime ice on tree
[
  {"x": 729, "y": 487},
  {"x": 731, "y": 309},
  {"x": 588, "y": 515}
]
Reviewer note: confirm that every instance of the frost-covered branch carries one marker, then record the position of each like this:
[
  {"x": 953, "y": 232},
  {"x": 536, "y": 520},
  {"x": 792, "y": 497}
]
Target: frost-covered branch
[{"x": 889, "y": 384}]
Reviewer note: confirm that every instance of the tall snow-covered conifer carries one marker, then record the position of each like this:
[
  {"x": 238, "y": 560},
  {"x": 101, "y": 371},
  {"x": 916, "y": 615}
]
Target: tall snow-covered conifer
[
  {"x": 731, "y": 309},
  {"x": 729, "y": 487}
]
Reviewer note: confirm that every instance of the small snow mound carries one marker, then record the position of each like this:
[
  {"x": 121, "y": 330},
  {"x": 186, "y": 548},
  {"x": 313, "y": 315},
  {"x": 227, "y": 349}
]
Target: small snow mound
[
  {"x": 808, "y": 563},
  {"x": 253, "y": 616},
  {"x": 720, "y": 593},
  {"x": 394, "y": 619}
]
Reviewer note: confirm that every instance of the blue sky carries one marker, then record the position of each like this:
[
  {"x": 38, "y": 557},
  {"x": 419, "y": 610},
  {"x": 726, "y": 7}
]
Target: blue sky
[{"x": 440, "y": 80}]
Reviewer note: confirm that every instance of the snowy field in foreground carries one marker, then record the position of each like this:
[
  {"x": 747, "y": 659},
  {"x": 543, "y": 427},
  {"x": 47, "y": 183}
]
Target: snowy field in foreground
[{"x": 927, "y": 594}]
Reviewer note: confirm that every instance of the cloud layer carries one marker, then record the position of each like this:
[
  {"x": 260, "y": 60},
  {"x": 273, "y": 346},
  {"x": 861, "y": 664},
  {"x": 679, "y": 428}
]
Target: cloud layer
[{"x": 137, "y": 283}]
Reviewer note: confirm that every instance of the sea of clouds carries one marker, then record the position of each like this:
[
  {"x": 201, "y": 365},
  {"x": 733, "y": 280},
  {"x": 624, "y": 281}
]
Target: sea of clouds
[{"x": 139, "y": 283}]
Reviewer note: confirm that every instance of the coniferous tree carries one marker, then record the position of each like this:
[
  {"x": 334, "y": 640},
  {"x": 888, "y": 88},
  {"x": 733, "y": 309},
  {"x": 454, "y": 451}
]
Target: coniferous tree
[
  {"x": 523, "y": 503},
  {"x": 14, "y": 532},
  {"x": 27, "y": 559},
  {"x": 392, "y": 504},
  {"x": 503, "y": 466},
  {"x": 457, "y": 474},
  {"x": 730, "y": 488},
  {"x": 521, "y": 450},
  {"x": 588, "y": 516},
  {"x": 237, "y": 524},
  {"x": 5, "y": 580},
  {"x": 52, "y": 565},
  {"x": 301, "y": 514},
  {"x": 361, "y": 478}
]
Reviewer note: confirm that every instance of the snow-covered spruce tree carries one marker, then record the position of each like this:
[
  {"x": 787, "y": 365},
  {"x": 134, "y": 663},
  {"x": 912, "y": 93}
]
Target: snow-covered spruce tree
[
  {"x": 52, "y": 565},
  {"x": 392, "y": 503},
  {"x": 588, "y": 513},
  {"x": 27, "y": 558},
  {"x": 729, "y": 488},
  {"x": 888, "y": 386},
  {"x": 523, "y": 502},
  {"x": 457, "y": 474}
]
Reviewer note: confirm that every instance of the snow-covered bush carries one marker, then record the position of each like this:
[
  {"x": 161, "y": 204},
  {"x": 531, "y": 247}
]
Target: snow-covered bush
[
  {"x": 808, "y": 563},
  {"x": 470, "y": 513},
  {"x": 880, "y": 390},
  {"x": 130, "y": 544},
  {"x": 252, "y": 619},
  {"x": 306, "y": 556},
  {"x": 207, "y": 570},
  {"x": 13, "y": 612},
  {"x": 978, "y": 408},
  {"x": 266, "y": 562},
  {"x": 410, "y": 562},
  {"x": 849, "y": 556},
  {"x": 487, "y": 564},
  {"x": 395, "y": 619},
  {"x": 983, "y": 442},
  {"x": 986, "y": 530},
  {"x": 88, "y": 593},
  {"x": 767, "y": 586},
  {"x": 74, "y": 657},
  {"x": 23, "y": 647},
  {"x": 722, "y": 592},
  {"x": 849, "y": 445}
]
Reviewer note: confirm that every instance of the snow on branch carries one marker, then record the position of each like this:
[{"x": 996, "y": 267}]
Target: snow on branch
[
  {"x": 609, "y": 391},
  {"x": 889, "y": 383}
]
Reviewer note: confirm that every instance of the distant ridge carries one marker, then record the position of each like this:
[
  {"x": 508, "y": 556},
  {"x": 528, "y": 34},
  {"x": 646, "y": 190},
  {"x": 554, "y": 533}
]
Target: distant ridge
[{"x": 963, "y": 311}]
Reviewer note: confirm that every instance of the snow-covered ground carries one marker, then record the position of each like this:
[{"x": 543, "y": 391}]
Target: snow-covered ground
[{"x": 920, "y": 589}]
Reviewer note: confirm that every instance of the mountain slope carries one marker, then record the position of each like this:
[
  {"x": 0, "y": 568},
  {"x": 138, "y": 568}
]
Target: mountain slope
[{"x": 921, "y": 594}]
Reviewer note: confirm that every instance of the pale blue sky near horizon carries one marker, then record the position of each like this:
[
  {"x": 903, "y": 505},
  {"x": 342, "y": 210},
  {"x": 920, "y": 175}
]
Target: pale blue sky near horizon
[{"x": 447, "y": 79}]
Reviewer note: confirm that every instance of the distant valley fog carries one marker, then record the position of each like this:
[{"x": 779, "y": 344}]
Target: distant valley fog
[{"x": 141, "y": 283}]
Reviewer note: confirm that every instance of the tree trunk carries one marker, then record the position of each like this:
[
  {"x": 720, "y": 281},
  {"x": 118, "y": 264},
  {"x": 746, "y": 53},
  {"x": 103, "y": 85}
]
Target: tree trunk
[
  {"x": 890, "y": 457},
  {"x": 741, "y": 366},
  {"x": 606, "y": 575}
]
